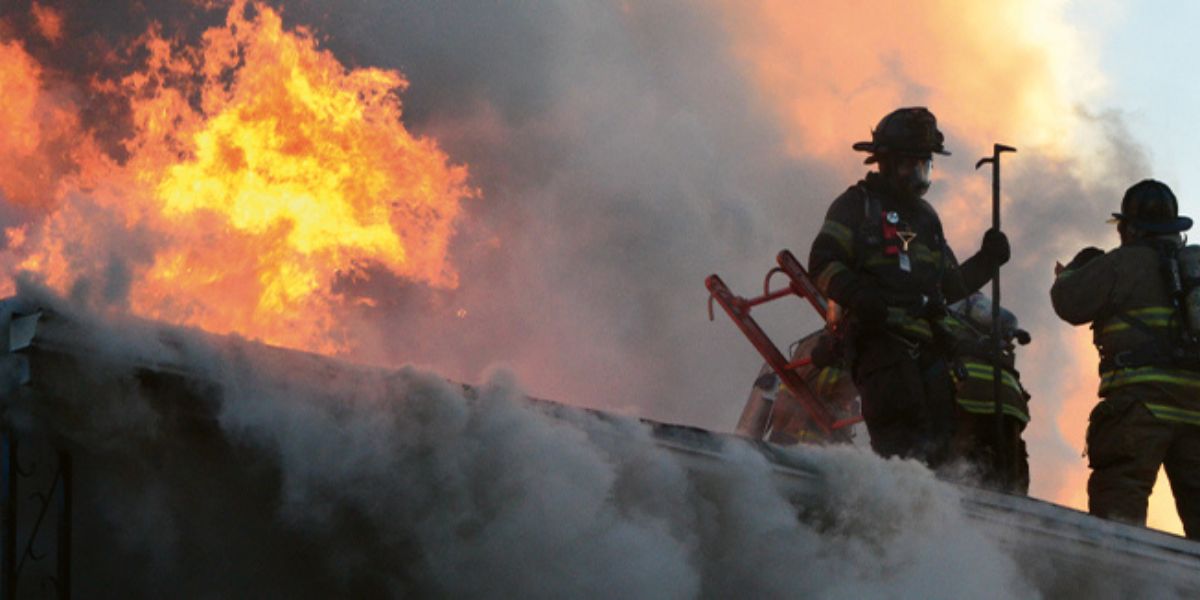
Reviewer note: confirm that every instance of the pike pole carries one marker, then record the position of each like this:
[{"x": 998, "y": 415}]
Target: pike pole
[{"x": 1001, "y": 458}]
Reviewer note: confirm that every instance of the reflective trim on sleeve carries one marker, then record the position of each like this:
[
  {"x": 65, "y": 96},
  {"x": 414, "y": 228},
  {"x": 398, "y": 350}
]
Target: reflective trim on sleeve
[
  {"x": 843, "y": 235},
  {"x": 830, "y": 271}
]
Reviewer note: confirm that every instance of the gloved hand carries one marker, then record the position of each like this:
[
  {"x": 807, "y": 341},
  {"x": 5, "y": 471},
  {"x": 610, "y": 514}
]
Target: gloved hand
[
  {"x": 1084, "y": 257},
  {"x": 995, "y": 247},
  {"x": 867, "y": 305}
]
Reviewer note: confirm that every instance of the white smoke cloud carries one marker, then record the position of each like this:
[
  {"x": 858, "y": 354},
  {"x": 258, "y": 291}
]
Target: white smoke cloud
[
  {"x": 624, "y": 156},
  {"x": 324, "y": 478},
  {"x": 621, "y": 160}
]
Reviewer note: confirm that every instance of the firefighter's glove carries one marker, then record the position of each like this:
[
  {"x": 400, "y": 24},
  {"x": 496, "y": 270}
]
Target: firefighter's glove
[
  {"x": 868, "y": 307},
  {"x": 1084, "y": 257},
  {"x": 995, "y": 247}
]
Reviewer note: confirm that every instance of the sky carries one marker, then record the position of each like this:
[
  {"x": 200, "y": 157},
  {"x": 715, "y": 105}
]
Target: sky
[
  {"x": 567, "y": 174},
  {"x": 1143, "y": 50}
]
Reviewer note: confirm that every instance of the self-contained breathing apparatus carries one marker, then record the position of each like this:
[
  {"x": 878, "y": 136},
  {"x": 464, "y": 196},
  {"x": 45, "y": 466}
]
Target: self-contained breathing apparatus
[
  {"x": 1180, "y": 347},
  {"x": 1187, "y": 265},
  {"x": 1150, "y": 217}
]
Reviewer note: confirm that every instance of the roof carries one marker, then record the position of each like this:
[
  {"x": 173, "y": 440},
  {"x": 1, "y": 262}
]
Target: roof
[{"x": 61, "y": 362}]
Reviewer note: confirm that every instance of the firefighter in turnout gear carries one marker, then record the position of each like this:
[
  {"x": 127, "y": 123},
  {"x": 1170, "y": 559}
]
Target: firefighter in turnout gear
[
  {"x": 970, "y": 322},
  {"x": 772, "y": 411},
  {"x": 881, "y": 255},
  {"x": 1149, "y": 412}
]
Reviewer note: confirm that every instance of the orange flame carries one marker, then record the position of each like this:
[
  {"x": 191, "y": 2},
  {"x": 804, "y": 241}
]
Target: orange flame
[
  {"x": 259, "y": 169},
  {"x": 49, "y": 22},
  {"x": 38, "y": 128}
]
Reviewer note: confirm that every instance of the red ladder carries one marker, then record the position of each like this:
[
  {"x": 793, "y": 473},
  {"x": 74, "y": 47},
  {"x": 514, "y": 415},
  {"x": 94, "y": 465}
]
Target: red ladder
[{"x": 738, "y": 309}]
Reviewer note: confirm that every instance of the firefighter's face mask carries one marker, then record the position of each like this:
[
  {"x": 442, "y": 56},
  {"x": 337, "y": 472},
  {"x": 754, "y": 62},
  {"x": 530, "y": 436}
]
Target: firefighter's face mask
[{"x": 911, "y": 175}]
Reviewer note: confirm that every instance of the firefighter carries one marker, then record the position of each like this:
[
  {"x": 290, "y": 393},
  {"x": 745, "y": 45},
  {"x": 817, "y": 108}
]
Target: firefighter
[
  {"x": 1149, "y": 412},
  {"x": 774, "y": 413},
  {"x": 882, "y": 255},
  {"x": 975, "y": 441}
]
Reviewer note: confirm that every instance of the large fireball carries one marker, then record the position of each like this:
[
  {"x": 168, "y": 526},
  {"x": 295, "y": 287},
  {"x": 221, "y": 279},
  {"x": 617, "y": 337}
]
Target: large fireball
[{"x": 259, "y": 168}]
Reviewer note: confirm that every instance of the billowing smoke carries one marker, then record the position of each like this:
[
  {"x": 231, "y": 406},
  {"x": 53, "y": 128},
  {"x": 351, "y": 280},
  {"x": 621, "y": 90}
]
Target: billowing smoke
[
  {"x": 640, "y": 157},
  {"x": 625, "y": 150},
  {"x": 323, "y": 479}
]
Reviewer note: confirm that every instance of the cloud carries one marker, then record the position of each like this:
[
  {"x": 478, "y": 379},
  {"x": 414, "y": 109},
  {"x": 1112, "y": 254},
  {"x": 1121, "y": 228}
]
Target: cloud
[{"x": 325, "y": 479}]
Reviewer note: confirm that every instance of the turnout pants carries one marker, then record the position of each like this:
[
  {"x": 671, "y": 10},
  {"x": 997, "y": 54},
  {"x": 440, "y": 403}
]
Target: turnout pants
[
  {"x": 975, "y": 444},
  {"x": 1126, "y": 444},
  {"x": 907, "y": 398}
]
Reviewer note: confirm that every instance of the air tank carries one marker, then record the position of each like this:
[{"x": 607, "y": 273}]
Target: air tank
[{"x": 1189, "y": 272}]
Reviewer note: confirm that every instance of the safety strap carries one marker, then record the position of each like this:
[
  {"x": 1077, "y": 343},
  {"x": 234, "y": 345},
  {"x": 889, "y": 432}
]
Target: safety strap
[
  {"x": 1159, "y": 350},
  {"x": 869, "y": 237},
  {"x": 1156, "y": 352},
  {"x": 1139, "y": 325},
  {"x": 870, "y": 231}
]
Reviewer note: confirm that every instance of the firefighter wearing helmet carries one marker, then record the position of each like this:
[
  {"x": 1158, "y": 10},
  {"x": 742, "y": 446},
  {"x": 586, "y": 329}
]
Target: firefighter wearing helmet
[
  {"x": 881, "y": 254},
  {"x": 1141, "y": 302},
  {"x": 997, "y": 461}
]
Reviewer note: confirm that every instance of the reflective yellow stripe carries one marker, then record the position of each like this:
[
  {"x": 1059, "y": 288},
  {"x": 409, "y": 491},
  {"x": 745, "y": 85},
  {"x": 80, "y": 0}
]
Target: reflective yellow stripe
[
  {"x": 1123, "y": 377},
  {"x": 1176, "y": 414},
  {"x": 984, "y": 372},
  {"x": 881, "y": 260},
  {"x": 1154, "y": 316},
  {"x": 987, "y": 407},
  {"x": 899, "y": 320},
  {"x": 841, "y": 234},
  {"x": 830, "y": 271},
  {"x": 1151, "y": 311},
  {"x": 955, "y": 325},
  {"x": 917, "y": 252},
  {"x": 823, "y": 380},
  {"x": 924, "y": 254},
  {"x": 827, "y": 380},
  {"x": 1159, "y": 323}
]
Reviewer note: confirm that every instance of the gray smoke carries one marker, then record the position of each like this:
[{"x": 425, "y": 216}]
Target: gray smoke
[
  {"x": 622, "y": 161},
  {"x": 324, "y": 479},
  {"x": 622, "y": 158}
]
